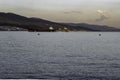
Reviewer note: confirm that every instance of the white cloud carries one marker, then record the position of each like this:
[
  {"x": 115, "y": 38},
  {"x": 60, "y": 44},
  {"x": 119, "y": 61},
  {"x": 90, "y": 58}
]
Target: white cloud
[{"x": 103, "y": 15}]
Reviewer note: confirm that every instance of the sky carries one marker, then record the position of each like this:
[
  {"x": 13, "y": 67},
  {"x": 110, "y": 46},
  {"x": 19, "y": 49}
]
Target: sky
[{"x": 101, "y": 12}]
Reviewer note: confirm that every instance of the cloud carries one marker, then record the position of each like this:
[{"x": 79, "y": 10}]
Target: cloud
[
  {"x": 103, "y": 15},
  {"x": 73, "y": 12}
]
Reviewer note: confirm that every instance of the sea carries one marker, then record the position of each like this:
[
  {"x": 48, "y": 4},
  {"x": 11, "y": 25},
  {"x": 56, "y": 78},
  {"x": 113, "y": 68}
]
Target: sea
[{"x": 60, "y": 55}]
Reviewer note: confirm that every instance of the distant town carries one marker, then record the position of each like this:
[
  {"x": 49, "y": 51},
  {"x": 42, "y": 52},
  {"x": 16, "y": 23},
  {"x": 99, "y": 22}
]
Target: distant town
[{"x": 9, "y": 28}]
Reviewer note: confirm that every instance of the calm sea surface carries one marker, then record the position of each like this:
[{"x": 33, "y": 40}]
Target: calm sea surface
[{"x": 60, "y": 55}]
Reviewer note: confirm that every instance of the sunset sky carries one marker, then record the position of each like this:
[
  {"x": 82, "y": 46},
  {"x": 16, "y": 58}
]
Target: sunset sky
[{"x": 103, "y": 12}]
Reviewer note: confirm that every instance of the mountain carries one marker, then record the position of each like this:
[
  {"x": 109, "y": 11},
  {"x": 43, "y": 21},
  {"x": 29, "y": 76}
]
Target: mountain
[
  {"x": 31, "y": 24},
  {"x": 89, "y": 27},
  {"x": 11, "y": 21}
]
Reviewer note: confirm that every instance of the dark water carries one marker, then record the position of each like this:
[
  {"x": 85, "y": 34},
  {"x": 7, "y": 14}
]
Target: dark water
[{"x": 60, "y": 55}]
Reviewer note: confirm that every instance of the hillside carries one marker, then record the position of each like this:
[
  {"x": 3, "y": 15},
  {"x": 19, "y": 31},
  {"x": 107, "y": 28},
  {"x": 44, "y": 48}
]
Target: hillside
[
  {"x": 11, "y": 21},
  {"x": 32, "y": 24},
  {"x": 90, "y": 27}
]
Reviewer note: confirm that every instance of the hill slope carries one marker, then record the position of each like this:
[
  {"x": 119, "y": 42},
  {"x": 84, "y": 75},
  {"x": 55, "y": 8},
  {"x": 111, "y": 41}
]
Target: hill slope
[
  {"x": 32, "y": 24},
  {"x": 37, "y": 24},
  {"x": 90, "y": 27}
]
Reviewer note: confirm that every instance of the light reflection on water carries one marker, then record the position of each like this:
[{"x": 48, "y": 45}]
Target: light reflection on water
[{"x": 60, "y": 55}]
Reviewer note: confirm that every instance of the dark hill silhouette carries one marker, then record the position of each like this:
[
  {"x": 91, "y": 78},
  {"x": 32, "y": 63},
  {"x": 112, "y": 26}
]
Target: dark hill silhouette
[
  {"x": 37, "y": 24},
  {"x": 32, "y": 24},
  {"x": 91, "y": 27}
]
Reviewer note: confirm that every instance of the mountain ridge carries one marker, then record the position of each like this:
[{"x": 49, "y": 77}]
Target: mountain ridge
[
  {"x": 38, "y": 24},
  {"x": 93, "y": 27}
]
